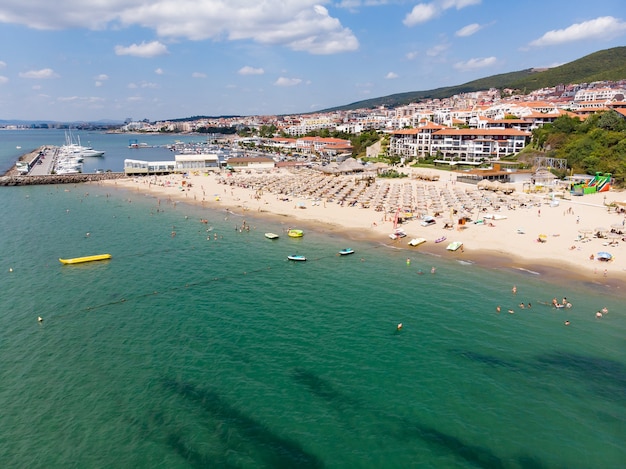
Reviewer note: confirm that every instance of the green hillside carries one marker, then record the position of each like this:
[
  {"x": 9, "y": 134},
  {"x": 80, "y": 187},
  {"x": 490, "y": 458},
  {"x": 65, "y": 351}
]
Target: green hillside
[{"x": 609, "y": 64}]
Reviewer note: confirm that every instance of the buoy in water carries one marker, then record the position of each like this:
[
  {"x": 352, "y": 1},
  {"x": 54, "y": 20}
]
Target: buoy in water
[
  {"x": 399, "y": 326},
  {"x": 39, "y": 319}
]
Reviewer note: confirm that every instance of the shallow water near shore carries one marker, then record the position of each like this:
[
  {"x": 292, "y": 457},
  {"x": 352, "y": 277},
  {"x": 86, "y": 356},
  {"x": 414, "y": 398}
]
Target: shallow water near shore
[{"x": 190, "y": 351}]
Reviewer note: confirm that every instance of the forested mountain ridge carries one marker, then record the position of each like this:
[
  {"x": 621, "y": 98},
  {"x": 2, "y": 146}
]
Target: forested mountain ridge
[{"x": 604, "y": 65}]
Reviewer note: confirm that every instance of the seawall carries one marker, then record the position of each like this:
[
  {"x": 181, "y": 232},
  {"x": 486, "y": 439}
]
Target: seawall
[{"x": 15, "y": 180}]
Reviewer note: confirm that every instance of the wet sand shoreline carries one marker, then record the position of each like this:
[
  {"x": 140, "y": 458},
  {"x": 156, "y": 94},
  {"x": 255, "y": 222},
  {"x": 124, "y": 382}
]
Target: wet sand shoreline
[{"x": 563, "y": 257}]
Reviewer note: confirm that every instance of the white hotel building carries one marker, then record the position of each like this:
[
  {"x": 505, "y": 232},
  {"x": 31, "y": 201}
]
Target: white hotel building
[{"x": 457, "y": 145}]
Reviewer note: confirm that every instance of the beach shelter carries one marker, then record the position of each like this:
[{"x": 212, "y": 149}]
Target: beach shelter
[
  {"x": 600, "y": 231},
  {"x": 604, "y": 256}
]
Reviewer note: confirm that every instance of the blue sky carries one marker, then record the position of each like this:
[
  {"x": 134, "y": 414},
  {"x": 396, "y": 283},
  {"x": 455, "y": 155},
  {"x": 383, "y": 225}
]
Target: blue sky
[{"x": 157, "y": 59}]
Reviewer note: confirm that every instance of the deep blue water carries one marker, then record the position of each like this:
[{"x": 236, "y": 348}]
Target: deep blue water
[{"x": 191, "y": 351}]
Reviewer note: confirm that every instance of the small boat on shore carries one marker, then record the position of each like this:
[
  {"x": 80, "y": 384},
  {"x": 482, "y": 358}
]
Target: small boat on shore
[
  {"x": 417, "y": 241},
  {"x": 397, "y": 234},
  {"x": 271, "y": 235},
  {"x": 80, "y": 260},
  {"x": 346, "y": 251},
  {"x": 296, "y": 257},
  {"x": 295, "y": 233},
  {"x": 453, "y": 246}
]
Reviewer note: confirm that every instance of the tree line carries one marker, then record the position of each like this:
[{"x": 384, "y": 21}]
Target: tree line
[{"x": 596, "y": 144}]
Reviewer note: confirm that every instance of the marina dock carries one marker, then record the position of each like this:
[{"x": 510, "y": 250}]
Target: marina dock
[{"x": 36, "y": 168}]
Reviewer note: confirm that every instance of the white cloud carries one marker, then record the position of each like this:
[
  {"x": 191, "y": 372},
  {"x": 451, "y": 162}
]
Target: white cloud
[
  {"x": 283, "y": 81},
  {"x": 80, "y": 99},
  {"x": 159, "y": 71},
  {"x": 143, "y": 84},
  {"x": 2, "y": 64},
  {"x": 303, "y": 25},
  {"x": 354, "y": 4},
  {"x": 474, "y": 64},
  {"x": 423, "y": 12},
  {"x": 3, "y": 80},
  {"x": 391, "y": 76},
  {"x": 437, "y": 50},
  {"x": 309, "y": 29},
  {"x": 98, "y": 84},
  {"x": 605, "y": 27},
  {"x": 468, "y": 30},
  {"x": 145, "y": 49},
  {"x": 247, "y": 70},
  {"x": 412, "y": 55},
  {"x": 42, "y": 74},
  {"x": 101, "y": 77},
  {"x": 198, "y": 75}
]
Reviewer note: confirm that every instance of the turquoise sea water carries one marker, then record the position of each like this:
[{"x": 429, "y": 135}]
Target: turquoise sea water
[{"x": 191, "y": 351}]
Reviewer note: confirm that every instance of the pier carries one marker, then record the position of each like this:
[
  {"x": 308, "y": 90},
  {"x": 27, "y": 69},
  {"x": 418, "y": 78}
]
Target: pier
[{"x": 35, "y": 168}]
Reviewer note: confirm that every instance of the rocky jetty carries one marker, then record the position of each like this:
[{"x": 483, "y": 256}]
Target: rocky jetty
[{"x": 15, "y": 180}]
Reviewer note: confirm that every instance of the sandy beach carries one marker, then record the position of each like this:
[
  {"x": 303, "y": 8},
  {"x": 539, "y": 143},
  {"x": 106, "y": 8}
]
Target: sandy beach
[{"x": 536, "y": 232}]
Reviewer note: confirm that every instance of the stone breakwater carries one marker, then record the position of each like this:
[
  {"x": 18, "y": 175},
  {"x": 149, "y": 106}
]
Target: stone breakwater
[{"x": 15, "y": 180}]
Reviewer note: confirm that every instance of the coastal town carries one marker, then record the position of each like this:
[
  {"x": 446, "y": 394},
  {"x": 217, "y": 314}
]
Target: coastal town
[
  {"x": 469, "y": 128},
  {"x": 465, "y": 129}
]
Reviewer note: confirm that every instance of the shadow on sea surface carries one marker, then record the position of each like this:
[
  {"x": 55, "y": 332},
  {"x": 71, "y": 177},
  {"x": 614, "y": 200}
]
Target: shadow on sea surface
[
  {"x": 478, "y": 456},
  {"x": 325, "y": 390},
  {"x": 404, "y": 429},
  {"x": 490, "y": 360},
  {"x": 605, "y": 378},
  {"x": 267, "y": 448}
]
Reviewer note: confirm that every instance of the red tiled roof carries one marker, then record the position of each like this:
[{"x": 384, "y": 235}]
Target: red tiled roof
[{"x": 480, "y": 132}]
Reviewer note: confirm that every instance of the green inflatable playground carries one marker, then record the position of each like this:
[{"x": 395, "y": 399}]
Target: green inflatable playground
[{"x": 601, "y": 182}]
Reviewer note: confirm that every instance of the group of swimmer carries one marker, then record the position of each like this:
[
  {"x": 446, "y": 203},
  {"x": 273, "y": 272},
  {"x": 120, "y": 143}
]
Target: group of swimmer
[
  {"x": 563, "y": 304},
  {"x": 555, "y": 303},
  {"x": 601, "y": 312},
  {"x": 420, "y": 272},
  {"x": 244, "y": 227}
]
